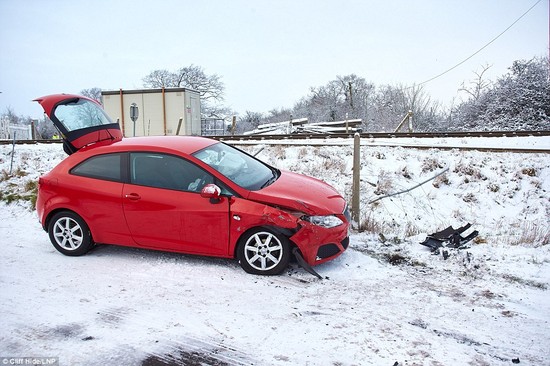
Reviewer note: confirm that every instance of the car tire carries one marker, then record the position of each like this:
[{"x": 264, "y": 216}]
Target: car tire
[
  {"x": 262, "y": 251},
  {"x": 70, "y": 234}
]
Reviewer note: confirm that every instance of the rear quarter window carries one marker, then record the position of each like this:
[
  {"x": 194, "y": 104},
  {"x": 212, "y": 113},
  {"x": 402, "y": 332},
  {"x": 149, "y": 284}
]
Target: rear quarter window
[{"x": 106, "y": 167}]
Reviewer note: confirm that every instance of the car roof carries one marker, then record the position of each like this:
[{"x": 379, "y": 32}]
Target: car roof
[{"x": 181, "y": 144}]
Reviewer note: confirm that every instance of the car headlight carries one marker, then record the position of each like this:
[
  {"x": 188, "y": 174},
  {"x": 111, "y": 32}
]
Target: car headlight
[{"x": 324, "y": 221}]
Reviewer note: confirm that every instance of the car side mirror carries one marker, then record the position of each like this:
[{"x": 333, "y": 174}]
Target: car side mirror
[{"x": 211, "y": 191}]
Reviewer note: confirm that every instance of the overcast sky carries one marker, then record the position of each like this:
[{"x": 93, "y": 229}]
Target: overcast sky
[{"x": 268, "y": 53}]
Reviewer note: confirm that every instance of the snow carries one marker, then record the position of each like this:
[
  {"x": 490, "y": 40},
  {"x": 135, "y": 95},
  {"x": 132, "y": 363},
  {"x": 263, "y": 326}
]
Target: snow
[{"x": 485, "y": 305}]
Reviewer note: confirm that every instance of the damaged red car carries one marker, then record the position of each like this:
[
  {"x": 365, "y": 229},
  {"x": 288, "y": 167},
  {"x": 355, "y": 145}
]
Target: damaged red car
[{"x": 184, "y": 194}]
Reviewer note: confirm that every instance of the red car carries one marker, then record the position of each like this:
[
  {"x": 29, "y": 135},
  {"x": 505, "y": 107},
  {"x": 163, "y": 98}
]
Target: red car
[{"x": 183, "y": 194}]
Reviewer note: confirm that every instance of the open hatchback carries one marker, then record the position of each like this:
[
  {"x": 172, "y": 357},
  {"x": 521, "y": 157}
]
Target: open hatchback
[{"x": 80, "y": 120}]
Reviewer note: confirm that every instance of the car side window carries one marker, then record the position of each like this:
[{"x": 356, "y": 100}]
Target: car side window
[
  {"x": 167, "y": 171},
  {"x": 105, "y": 167}
]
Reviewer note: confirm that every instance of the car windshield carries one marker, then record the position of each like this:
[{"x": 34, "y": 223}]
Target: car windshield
[
  {"x": 81, "y": 113},
  {"x": 238, "y": 166}
]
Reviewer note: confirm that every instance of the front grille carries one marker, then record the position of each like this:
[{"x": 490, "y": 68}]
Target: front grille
[{"x": 327, "y": 250}]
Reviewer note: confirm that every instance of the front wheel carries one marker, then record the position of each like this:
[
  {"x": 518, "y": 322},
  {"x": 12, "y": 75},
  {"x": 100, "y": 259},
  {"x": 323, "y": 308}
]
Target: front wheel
[
  {"x": 261, "y": 251},
  {"x": 69, "y": 234}
]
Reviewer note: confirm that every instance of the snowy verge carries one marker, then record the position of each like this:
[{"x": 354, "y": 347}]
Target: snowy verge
[
  {"x": 484, "y": 305},
  {"x": 386, "y": 300}
]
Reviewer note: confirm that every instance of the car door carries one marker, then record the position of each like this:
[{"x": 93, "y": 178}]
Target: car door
[
  {"x": 164, "y": 209},
  {"x": 94, "y": 188}
]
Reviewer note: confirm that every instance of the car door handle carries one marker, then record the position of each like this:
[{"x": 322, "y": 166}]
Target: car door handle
[{"x": 133, "y": 196}]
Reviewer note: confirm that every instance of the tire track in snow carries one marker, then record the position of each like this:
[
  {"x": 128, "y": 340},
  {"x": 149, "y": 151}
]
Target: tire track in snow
[{"x": 194, "y": 350}]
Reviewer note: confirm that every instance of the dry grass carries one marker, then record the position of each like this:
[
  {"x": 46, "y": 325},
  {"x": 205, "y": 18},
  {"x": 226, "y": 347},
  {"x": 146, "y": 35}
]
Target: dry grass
[
  {"x": 441, "y": 180},
  {"x": 537, "y": 183},
  {"x": 411, "y": 230},
  {"x": 531, "y": 234},
  {"x": 430, "y": 165},
  {"x": 522, "y": 281},
  {"x": 279, "y": 151},
  {"x": 334, "y": 165},
  {"x": 532, "y": 172},
  {"x": 303, "y": 152},
  {"x": 493, "y": 187},
  {"x": 469, "y": 198},
  {"x": 20, "y": 172},
  {"x": 384, "y": 183},
  {"x": 404, "y": 171},
  {"x": 521, "y": 232},
  {"x": 370, "y": 224},
  {"x": 470, "y": 173}
]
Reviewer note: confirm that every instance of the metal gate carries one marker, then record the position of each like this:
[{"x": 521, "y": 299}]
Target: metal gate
[{"x": 213, "y": 127}]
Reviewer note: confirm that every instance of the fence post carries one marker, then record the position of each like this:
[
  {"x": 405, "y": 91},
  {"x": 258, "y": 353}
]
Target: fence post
[
  {"x": 12, "y": 152},
  {"x": 355, "y": 198},
  {"x": 179, "y": 126}
]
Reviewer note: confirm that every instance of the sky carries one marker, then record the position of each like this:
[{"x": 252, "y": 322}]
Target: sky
[{"x": 268, "y": 53}]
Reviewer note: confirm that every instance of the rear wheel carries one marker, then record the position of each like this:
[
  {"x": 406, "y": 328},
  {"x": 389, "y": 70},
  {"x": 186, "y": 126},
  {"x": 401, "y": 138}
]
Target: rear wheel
[
  {"x": 69, "y": 234},
  {"x": 262, "y": 251}
]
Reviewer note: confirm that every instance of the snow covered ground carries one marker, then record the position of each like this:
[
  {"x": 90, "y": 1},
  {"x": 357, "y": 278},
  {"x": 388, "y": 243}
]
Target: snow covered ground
[{"x": 386, "y": 301}]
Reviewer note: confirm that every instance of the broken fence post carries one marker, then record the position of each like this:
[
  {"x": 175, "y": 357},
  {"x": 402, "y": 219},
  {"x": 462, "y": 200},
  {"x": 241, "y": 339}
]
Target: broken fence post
[{"x": 355, "y": 198}]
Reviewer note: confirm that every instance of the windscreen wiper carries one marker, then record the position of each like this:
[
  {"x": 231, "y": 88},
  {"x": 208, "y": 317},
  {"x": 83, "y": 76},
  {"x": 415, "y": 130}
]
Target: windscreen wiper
[{"x": 272, "y": 179}]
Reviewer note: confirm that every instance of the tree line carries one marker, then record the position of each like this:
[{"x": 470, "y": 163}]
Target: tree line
[{"x": 518, "y": 100}]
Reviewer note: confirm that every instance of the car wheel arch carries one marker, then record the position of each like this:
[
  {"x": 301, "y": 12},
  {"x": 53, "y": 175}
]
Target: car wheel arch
[
  {"x": 264, "y": 250},
  {"x": 54, "y": 212},
  {"x": 69, "y": 233},
  {"x": 287, "y": 233}
]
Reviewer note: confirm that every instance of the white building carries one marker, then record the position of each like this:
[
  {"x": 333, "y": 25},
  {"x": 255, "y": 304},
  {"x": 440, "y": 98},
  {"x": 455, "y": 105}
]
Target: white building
[{"x": 166, "y": 111}]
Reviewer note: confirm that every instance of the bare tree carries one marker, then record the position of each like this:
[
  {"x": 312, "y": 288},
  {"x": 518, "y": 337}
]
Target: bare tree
[
  {"x": 160, "y": 79},
  {"x": 9, "y": 114},
  {"x": 278, "y": 115},
  {"x": 348, "y": 95},
  {"x": 210, "y": 87},
  {"x": 248, "y": 121},
  {"x": 93, "y": 93},
  {"x": 478, "y": 85},
  {"x": 46, "y": 128}
]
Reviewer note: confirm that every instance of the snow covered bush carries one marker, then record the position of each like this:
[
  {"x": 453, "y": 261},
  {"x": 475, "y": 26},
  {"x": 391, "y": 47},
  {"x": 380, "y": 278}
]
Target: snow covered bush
[{"x": 518, "y": 101}]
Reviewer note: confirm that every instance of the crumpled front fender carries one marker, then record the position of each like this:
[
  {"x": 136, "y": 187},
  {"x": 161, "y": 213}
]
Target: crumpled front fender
[
  {"x": 245, "y": 215},
  {"x": 311, "y": 237}
]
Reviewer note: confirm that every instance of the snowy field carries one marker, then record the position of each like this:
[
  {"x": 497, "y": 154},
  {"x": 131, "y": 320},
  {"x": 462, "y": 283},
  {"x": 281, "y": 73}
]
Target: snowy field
[{"x": 386, "y": 301}]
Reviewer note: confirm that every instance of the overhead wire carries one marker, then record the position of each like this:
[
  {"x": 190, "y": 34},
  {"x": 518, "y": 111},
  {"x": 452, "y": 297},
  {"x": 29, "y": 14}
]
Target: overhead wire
[{"x": 481, "y": 49}]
